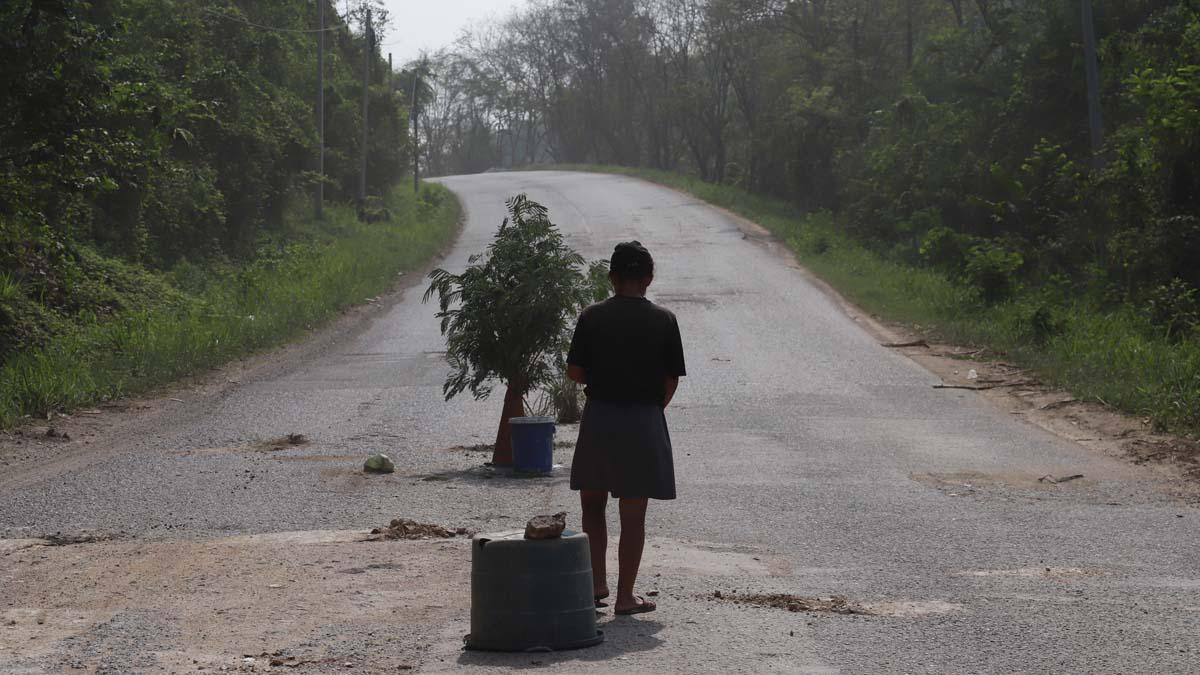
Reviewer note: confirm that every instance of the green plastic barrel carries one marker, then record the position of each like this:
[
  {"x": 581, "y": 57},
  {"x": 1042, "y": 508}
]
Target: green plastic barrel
[{"x": 531, "y": 595}]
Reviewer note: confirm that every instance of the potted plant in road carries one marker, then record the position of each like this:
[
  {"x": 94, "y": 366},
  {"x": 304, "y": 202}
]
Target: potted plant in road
[{"x": 505, "y": 315}]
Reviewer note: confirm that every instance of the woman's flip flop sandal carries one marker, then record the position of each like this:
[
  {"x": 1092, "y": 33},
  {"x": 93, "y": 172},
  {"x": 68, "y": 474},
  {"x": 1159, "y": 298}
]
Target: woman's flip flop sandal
[
  {"x": 600, "y": 600},
  {"x": 642, "y": 607}
]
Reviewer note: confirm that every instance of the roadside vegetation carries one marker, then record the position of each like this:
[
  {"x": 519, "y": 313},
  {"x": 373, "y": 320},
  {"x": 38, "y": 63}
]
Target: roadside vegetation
[
  {"x": 158, "y": 163},
  {"x": 208, "y": 316},
  {"x": 936, "y": 159}
]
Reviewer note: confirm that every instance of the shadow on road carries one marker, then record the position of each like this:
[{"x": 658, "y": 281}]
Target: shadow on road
[
  {"x": 622, "y": 635},
  {"x": 496, "y": 477}
]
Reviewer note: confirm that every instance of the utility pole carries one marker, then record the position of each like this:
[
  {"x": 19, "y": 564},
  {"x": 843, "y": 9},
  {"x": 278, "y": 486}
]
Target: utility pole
[
  {"x": 391, "y": 69},
  {"x": 320, "y": 198},
  {"x": 416, "y": 137},
  {"x": 1092, "y": 69},
  {"x": 368, "y": 49}
]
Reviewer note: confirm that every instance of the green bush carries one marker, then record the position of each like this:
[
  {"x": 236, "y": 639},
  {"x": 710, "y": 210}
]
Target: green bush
[
  {"x": 431, "y": 199},
  {"x": 1175, "y": 307},
  {"x": 1044, "y": 325},
  {"x": 991, "y": 269},
  {"x": 818, "y": 244},
  {"x": 944, "y": 249}
]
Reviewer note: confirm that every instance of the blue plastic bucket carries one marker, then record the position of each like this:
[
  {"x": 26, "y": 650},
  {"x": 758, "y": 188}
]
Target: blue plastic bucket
[{"x": 532, "y": 443}]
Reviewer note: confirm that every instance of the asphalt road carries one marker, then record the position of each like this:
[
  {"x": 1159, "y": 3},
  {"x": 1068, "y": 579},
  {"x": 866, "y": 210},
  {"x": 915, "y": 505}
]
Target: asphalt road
[{"x": 810, "y": 461}]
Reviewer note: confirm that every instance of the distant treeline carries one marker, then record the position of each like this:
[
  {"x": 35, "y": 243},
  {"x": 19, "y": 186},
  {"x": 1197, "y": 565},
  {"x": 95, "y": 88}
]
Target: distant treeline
[{"x": 946, "y": 133}]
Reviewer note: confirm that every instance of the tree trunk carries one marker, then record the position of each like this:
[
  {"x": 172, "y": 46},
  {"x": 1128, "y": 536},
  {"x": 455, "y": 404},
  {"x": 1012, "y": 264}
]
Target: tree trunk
[
  {"x": 909, "y": 36},
  {"x": 958, "y": 11},
  {"x": 514, "y": 406}
]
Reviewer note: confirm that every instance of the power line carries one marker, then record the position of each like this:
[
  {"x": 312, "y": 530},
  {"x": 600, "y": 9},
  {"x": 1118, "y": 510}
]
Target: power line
[{"x": 270, "y": 28}]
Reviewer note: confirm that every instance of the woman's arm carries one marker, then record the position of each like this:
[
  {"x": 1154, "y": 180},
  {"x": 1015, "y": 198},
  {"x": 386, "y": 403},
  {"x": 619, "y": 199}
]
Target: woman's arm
[
  {"x": 672, "y": 385},
  {"x": 577, "y": 374}
]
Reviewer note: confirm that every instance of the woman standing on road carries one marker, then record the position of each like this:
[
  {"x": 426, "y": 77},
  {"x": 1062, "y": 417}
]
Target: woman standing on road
[{"x": 628, "y": 353}]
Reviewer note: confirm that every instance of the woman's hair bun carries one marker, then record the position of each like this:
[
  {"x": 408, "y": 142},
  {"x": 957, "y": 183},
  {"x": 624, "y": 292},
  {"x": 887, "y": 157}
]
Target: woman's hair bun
[{"x": 630, "y": 260}]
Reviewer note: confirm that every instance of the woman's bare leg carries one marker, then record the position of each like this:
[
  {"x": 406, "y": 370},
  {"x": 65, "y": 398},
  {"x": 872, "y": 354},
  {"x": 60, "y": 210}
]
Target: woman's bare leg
[
  {"x": 629, "y": 551},
  {"x": 595, "y": 526}
]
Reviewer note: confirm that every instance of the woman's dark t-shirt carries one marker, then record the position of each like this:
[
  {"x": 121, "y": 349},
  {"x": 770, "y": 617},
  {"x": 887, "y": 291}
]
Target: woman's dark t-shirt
[{"x": 628, "y": 348}]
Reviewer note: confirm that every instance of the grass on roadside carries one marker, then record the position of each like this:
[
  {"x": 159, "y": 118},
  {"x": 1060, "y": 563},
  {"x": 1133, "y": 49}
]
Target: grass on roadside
[
  {"x": 234, "y": 311},
  {"x": 1112, "y": 356}
]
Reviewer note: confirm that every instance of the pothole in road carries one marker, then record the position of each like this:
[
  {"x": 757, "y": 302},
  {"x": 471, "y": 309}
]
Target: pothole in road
[
  {"x": 282, "y": 443},
  {"x": 839, "y": 604},
  {"x": 964, "y": 483},
  {"x": 287, "y": 442},
  {"x": 403, "y": 528},
  {"x": 58, "y": 539},
  {"x": 73, "y": 538},
  {"x": 833, "y": 604},
  {"x": 705, "y": 301}
]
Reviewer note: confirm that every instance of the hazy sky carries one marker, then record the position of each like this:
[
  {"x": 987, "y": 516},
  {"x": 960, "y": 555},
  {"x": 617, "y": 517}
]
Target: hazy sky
[{"x": 431, "y": 24}]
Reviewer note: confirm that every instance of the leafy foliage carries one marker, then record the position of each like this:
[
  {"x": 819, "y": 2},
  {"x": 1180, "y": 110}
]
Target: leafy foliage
[
  {"x": 1176, "y": 308},
  {"x": 504, "y": 317},
  {"x": 157, "y": 133},
  {"x": 991, "y": 269}
]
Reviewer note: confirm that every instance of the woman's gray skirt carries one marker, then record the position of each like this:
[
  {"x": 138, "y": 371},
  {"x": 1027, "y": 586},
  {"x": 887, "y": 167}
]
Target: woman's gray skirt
[{"x": 624, "y": 449}]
